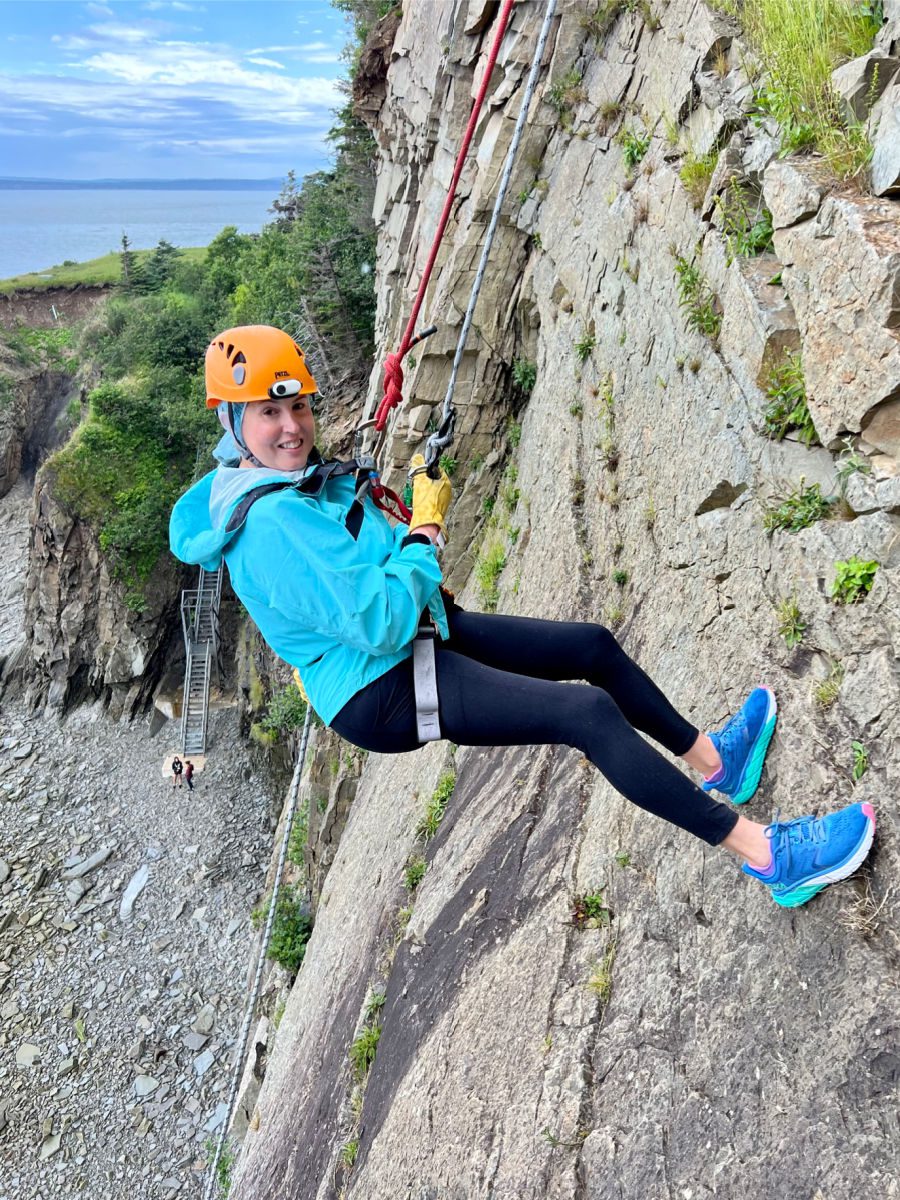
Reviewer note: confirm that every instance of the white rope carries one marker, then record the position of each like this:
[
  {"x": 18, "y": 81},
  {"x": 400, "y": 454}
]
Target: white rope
[
  {"x": 440, "y": 440},
  {"x": 210, "y": 1191}
]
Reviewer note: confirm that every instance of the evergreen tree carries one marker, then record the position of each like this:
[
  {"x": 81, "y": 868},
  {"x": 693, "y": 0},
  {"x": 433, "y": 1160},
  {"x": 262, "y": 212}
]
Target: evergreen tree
[{"x": 160, "y": 266}]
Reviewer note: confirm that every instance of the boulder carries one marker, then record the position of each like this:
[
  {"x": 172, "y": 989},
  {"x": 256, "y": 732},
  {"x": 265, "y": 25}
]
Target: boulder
[
  {"x": 842, "y": 273},
  {"x": 885, "y": 169},
  {"x": 860, "y": 82}
]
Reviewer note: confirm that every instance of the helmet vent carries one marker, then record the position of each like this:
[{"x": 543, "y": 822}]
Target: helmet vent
[
  {"x": 229, "y": 351},
  {"x": 239, "y": 357}
]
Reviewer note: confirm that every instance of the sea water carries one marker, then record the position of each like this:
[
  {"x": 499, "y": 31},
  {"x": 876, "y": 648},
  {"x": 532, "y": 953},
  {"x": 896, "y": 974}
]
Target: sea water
[{"x": 42, "y": 227}]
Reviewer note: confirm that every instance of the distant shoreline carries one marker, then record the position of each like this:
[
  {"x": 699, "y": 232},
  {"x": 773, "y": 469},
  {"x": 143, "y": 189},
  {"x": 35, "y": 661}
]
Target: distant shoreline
[{"x": 142, "y": 185}]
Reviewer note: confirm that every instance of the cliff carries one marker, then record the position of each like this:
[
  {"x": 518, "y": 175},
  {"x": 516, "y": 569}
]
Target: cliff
[{"x": 688, "y": 1038}]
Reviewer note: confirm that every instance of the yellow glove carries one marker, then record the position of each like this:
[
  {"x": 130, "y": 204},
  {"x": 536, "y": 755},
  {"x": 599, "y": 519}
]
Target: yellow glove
[{"x": 431, "y": 497}]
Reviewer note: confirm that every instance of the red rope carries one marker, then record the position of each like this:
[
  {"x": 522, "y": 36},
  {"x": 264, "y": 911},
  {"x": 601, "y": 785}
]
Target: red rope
[{"x": 393, "y": 371}]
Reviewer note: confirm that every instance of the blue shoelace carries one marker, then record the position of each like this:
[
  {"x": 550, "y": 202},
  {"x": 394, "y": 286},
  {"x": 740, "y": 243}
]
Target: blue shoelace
[
  {"x": 731, "y": 731},
  {"x": 801, "y": 829}
]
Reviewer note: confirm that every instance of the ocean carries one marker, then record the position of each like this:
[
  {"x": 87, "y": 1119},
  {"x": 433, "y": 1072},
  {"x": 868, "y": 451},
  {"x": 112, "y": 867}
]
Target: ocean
[{"x": 42, "y": 227}]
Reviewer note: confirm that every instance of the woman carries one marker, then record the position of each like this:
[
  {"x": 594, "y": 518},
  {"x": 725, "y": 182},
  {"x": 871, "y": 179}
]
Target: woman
[{"x": 341, "y": 602}]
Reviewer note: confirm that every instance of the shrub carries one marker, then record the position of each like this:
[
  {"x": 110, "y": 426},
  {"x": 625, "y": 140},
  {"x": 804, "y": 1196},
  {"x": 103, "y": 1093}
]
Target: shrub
[
  {"x": 584, "y": 347},
  {"x": 697, "y": 299},
  {"x": 414, "y": 872},
  {"x": 634, "y": 146},
  {"x": 853, "y": 580},
  {"x": 291, "y": 929},
  {"x": 285, "y": 711},
  {"x": 590, "y": 909},
  {"x": 787, "y": 408},
  {"x": 798, "y": 509},
  {"x": 746, "y": 223}
]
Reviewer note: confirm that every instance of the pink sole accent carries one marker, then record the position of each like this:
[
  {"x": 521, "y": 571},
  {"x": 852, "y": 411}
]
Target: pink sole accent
[{"x": 870, "y": 812}]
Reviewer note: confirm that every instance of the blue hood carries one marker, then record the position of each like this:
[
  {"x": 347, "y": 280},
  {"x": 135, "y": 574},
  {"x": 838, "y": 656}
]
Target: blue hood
[{"x": 197, "y": 525}]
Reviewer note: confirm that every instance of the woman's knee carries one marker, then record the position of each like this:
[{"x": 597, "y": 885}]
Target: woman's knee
[{"x": 604, "y": 649}]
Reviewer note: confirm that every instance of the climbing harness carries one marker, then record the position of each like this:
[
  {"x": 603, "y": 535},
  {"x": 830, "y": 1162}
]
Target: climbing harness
[{"x": 211, "y": 1188}]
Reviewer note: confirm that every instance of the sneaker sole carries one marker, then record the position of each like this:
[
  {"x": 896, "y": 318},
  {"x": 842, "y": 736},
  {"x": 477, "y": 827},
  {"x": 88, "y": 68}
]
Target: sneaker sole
[
  {"x": 753, "y": 769},
  {"x": 800, "y": 895}
]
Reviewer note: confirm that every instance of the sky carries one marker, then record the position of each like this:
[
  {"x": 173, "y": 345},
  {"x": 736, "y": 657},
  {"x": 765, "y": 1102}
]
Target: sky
[{"x": 168, "y": 89}]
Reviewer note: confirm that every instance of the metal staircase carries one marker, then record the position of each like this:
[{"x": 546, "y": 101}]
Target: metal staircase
[{"x": 200, "y": 625}]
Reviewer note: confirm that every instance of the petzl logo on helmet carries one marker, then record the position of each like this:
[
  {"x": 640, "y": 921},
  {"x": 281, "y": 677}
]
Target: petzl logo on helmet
[{"x": 282, "y": 375}]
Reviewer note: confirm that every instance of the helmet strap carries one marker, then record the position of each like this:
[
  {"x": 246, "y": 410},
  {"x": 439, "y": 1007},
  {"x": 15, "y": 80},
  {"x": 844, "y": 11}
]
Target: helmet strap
[{"x": 235, "y": 433}]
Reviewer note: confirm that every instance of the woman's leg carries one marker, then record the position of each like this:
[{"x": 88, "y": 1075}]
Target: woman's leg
[
  {"x": 578, "y": 650},
  {"x": 483, "y": 706}
]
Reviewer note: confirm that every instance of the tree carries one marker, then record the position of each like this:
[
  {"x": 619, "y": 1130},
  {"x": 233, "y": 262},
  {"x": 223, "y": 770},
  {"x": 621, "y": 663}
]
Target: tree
[
  {"x": 160, "y": 265},
  {"x": 132, "y": 278}
]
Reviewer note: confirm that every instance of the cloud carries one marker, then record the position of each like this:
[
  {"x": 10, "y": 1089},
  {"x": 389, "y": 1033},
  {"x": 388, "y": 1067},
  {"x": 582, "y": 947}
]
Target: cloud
[
  {"x": 99, "y": 10},
  {"x": 115, "y": 31},
  {"x": 267, "y": 62}
]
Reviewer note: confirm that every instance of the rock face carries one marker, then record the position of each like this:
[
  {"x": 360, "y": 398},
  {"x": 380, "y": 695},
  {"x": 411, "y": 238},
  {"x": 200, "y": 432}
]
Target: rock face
[
  {"x": 83, "y": 638},
  {"x": 691, "y": 1039}
]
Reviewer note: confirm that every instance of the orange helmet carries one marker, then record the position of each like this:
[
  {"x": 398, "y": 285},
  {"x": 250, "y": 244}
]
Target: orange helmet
[{"x": 255, "y": 362}]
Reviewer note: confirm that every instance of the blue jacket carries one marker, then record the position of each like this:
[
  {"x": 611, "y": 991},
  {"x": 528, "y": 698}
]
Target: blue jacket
[{"x": 342, "y": 612}]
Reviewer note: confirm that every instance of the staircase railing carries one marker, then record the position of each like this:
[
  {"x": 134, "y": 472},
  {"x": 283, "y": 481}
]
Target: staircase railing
[{"x": 200, "y": 627}]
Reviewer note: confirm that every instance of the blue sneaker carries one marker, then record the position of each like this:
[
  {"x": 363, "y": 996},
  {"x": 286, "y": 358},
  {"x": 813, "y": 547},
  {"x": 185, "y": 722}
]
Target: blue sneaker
[
  {"x": 808, "y": 854},
  {"x": 742, "y": 743}
]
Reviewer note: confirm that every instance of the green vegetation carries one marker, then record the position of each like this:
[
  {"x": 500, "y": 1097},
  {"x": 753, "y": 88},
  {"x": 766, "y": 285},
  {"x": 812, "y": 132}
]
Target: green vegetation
[
  {"x": 623, "y": 859},
  {"x": 448, "y": 465},
  {"x": 799, "y": 508},
  {"x": 414, "y": 872},
  {"x": 563, "y": 96},
  {"x": 800, "y": 42},
  {"x": 96, "y": 272},
  {"x": 514, "y": 433},
  {"x": 635, "y": 144},
  {"x": 850, "y": 463},
  {"x": 349, "y": 1151},
  {"x": 436, "y": 806},
  {"x": 600, "y": 982},
  {"x": 860, "y": 760},
  {"x": 827, "y": 690},
  {"x": 853, "y": 580},
  {"x": 296, "y": 851},
  {"x": 286, "y": 711},
  {"x": 746, "y": 222},
  {"x": 362, "y": 1052},
  {"x": 509, "y": 493},
  {"x": 787, "y": 408},
  {"x": 584, "y": 347},
  {"x": 620, "y": 577},
  {"x": 224, "y": 1166},
  {"x": 598, "y": 21},
  {"x": 291, "y": 929},
  {"x": 49, "y": 347},
  {"x": 591, "y": 911},
  {"x": 696, "y": 297},
  {"x": 696, "y": 173},
  {"x": 791, "y": 625},
  {"x": 488, "y": 569}
]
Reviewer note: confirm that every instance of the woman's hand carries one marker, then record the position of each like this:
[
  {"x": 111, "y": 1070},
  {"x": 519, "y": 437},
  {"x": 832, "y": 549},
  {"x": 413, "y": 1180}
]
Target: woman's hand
[{"x": 431, "y": 499}]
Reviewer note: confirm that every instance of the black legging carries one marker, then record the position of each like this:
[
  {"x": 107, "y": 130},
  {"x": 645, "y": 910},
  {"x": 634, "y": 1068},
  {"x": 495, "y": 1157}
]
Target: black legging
[{"x": 494, "y": 689}]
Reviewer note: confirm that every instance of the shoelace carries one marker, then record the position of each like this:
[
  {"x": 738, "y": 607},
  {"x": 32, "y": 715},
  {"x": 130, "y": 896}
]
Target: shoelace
[
  {"x": 731, "y": 731},
  {"x": 809, "y": 829}
]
